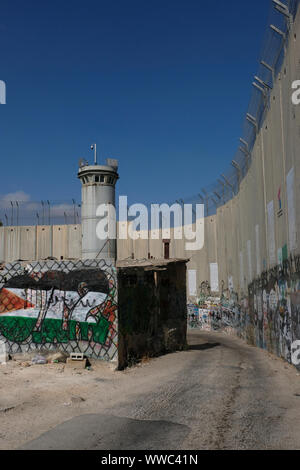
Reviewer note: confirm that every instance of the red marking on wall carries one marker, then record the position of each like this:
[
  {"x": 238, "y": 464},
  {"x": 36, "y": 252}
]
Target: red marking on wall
[{"x": 10, "y": 301}]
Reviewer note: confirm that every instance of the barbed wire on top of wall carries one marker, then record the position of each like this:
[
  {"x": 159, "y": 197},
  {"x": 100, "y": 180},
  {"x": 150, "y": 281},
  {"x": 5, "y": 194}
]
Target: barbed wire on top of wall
[
  {"x": 27, "y": 213},
  {"x": 218, "y": 193},
  {"x": 272, "y": 54}
]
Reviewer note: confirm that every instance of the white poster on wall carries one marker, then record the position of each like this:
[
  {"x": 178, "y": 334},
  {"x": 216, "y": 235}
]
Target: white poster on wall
[
  {"x": 279, "y": 256},
  {"x": 214, "y": 277},
  {"x": 290, "y": 181},
  {"x": 230, "y": 284},
  {"x": 258, "y": 266},
  {"x": 192, "y": 279},
  {"x": 249, "y": 260},
  {"x": 271, "y": 233},
  {"x": 241, "y": 270}
]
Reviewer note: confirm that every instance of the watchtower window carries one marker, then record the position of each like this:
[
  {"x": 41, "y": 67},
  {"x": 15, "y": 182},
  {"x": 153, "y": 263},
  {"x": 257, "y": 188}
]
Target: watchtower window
[
  {"x": 102, "y": 179},
  {"x": 96, "y": 179}
]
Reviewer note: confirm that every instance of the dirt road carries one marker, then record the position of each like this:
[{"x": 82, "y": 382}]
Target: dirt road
[{"x": 221, "y": 394}]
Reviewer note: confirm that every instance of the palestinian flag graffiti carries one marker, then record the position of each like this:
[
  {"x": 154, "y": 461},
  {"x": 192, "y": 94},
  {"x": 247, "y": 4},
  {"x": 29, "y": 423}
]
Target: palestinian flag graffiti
[{"x": 58, "y": 307}]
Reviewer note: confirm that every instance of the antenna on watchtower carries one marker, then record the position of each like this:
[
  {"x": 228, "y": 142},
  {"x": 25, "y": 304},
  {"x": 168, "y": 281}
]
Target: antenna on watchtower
[
  {"x": 82, "y": 162},
  {"x": 94, "y": 147}
]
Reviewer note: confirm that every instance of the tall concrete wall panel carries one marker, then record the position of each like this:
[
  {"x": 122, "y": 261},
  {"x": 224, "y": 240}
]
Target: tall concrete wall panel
[
  {"x": 44, "y": 242},
  {"x": 27, "y": 243},
  {"x": 60, "y": 241},
  {"x": 12, "y": 243},
  {"x": 74, "y": 241}
]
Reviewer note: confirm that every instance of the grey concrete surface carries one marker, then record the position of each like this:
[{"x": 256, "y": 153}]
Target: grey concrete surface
[
  {"x": 220, "y": 394},
  {"x": 96, "y": 431}
]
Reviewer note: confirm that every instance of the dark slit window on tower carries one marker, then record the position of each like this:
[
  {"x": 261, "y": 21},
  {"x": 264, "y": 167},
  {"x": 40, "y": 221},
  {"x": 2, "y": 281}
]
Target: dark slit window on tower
[{"x": 166, "y": 249}]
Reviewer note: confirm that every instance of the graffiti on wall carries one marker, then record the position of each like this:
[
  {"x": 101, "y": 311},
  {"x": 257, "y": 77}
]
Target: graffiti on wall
[
  {"x": 59, "y": 305},
  {"x": 213, "y": 312},
  {"x": 269, "y": 317},
  {"x": 275, "y": 308}
]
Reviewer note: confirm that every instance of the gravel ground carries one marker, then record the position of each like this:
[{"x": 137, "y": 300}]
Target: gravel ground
[{"x": 220, "y": 394}]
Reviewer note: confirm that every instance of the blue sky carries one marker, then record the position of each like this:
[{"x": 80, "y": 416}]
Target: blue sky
[{"x": 162, "y": 85}]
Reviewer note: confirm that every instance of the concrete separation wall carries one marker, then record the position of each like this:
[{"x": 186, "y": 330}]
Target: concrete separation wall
[
  {"x": 40, "y": 242},
  {"x": 246, "y": 279}
]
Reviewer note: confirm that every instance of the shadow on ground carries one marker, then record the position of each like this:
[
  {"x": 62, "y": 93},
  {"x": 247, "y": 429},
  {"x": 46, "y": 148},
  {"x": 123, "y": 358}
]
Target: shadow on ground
[
  {"x": 202, "y": 347},
  {"x": 106, "y": 432}
]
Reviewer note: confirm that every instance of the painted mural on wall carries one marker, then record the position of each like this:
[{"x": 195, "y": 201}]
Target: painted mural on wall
[
  {"x": 268, "y": 317},
  {"x": 64, "y": 305}
]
